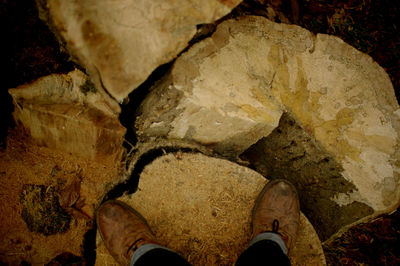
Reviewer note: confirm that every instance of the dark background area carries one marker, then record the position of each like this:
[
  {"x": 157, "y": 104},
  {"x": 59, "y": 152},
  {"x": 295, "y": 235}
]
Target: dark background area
[{"x": 30, "y": 50}]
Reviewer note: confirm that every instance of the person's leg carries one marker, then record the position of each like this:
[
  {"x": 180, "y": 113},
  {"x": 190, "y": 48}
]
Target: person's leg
[
  {"x": 263, "y": 252},
  {"x": 152, "y": 254},
  {"x": 275, "y": 221},
  {"x": 129, "y": 239}
]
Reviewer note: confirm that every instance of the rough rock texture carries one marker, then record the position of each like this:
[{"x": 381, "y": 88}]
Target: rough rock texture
[
  {"x": 65, "y": 112},
  {"x": 290, "y": 153},
  {"x": 121, "y": 42},
  {"x": 231, "y": 89},
  {"x": 213, "y": 100},
  {"x": 201, "y": 207}
]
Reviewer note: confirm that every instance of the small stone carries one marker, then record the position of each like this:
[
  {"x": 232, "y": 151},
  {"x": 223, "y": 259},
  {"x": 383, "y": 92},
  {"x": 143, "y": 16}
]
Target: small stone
[{"x": 324, "y": 90}]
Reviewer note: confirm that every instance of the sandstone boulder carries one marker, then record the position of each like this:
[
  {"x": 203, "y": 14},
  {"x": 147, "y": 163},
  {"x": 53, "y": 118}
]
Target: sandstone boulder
[
  {"x": 64, "y": 111},
  {"x": 338, "y": 117},
  {"x": 120, "y": 43}
]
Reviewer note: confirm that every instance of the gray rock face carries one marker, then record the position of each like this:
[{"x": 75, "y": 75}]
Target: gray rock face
[
  {"x": 290, "y": 153},
  {"x": 121, "y": 42},
  {"x": 64, "y": 111},
  {"x": 230, "y": 90}
]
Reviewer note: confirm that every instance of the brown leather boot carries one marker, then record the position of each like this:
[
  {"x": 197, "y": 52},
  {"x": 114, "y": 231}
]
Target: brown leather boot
[
  {"x": 122, "y": 229},
  {"x": 277, "y": 210}
]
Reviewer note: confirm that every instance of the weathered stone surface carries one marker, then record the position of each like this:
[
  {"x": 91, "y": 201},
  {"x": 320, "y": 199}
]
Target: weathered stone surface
[
  {"x": 121, "y": 42},
  {"x": 201, "y": 207},
  {"x": 64, "y": 111},
  {"x": 290, "y": 153},
  {"x": 212, "y": 99},
  {"x": 231, "y": 89}
]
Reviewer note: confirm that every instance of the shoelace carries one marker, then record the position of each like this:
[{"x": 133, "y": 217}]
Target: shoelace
[
  {"x": 133, "y": 246},
  {"x": 275, "y": 226}
]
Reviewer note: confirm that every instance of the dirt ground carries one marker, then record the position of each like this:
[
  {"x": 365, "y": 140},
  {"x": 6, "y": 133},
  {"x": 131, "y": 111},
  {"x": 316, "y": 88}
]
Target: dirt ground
[
  {"x": 374, "y": 243},
  {"x": 31, "y": 51},
  {"x": 47, "y": 200}
]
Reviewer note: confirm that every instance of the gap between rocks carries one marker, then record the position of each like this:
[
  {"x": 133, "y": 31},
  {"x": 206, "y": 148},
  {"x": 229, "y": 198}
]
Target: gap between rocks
[{"x": 129, "y": 186}]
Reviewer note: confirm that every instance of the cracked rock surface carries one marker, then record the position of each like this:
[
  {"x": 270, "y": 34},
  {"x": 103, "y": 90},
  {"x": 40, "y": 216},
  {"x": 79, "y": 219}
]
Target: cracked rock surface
[
  {"x": 230, "y": 91},
  {"x": 121, "y": 42}
]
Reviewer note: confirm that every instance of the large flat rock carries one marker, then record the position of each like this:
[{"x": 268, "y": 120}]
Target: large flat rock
[
  {"x": 120, "y": 43},
  {"x": 201, "y": 207},
  {"x": 332, "y": 106}
]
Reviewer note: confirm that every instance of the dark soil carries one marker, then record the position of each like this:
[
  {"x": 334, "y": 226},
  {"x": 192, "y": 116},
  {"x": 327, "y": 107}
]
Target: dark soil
[
  {"x": 65, "y": 259},
  {"x": 30, "y": 51},
  {"x": 41, "y": 210},
  {"x": 374, "y": 243}
]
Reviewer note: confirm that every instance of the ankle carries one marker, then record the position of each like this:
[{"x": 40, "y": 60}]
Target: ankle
[
  {"x": 137, "y": 244},
  {"x": 271, "y": 236}
]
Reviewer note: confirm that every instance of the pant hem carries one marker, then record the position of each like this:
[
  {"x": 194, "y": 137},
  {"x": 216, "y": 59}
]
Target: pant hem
[
  {"x": 144, "y": 249},
  {"x": 269, "y": 236}
]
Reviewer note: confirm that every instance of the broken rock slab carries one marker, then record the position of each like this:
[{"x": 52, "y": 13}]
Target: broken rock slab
[
  {"x": 120, "y": 43},
  {"x": 64, "y": 111},
  {"x": 231, "y": 90},
  {"x": 212, "y": 98},
  {"x": 201, "y": 207}
]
